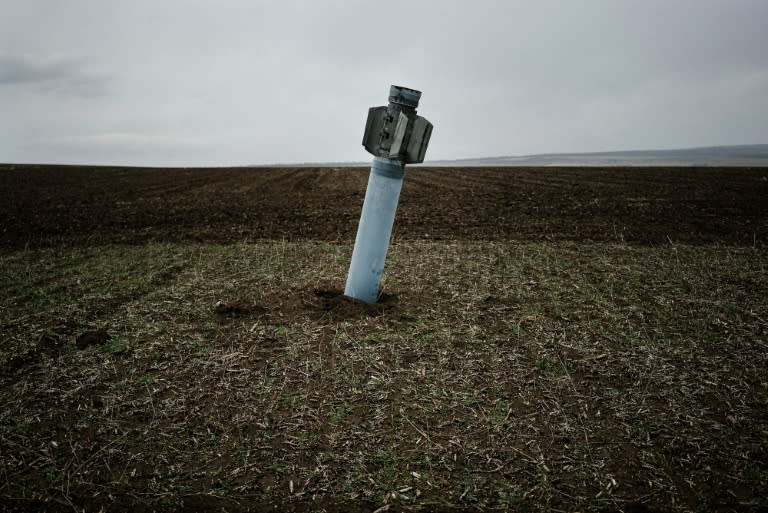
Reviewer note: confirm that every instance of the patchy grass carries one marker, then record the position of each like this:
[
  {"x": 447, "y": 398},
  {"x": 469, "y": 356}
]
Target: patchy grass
[{"x": 492, "y": 375}]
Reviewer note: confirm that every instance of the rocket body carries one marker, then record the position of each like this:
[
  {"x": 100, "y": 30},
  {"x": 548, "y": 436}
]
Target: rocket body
[
  {"x": 395, "y": 136},
  {"x": 375, "y": 229}
]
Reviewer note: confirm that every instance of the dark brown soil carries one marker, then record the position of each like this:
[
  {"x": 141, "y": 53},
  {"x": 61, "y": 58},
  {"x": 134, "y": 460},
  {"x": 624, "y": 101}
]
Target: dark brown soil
[
  {"x": 42, "y": 205},
  {"x": 332, "y": 303}
]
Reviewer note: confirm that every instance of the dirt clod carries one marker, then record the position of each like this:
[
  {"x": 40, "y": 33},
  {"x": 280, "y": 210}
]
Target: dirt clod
[
  {"x": 92, "y": 338},
  {"x": 334, "y": 302},
  {"x": 237, "y": 309}
]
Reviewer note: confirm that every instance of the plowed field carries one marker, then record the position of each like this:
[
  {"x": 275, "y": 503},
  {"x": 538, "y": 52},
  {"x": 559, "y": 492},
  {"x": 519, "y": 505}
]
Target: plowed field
[{"x": 45, "y": 204}]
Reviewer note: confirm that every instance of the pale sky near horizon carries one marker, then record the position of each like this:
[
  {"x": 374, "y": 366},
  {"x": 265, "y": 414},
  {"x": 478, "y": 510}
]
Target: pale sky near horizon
[{"x": 238, "y": 82}]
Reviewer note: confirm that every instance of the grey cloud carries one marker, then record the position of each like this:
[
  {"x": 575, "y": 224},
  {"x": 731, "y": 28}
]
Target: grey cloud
[{"x": 61, "y": 76}]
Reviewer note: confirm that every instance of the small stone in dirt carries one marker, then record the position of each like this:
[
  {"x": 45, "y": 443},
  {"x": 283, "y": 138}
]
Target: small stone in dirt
[{"x": 92, "y": 338}]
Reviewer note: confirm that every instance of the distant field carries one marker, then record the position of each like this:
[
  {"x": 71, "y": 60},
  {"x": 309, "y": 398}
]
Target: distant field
[
  {"x": 176, "y": 340},
  {"x": 750, "y": 155},
  {"x": 83, "y": 206}
]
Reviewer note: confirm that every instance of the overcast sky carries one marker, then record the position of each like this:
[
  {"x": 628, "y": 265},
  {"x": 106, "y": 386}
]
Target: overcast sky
[{"x": 193, "y": 82}]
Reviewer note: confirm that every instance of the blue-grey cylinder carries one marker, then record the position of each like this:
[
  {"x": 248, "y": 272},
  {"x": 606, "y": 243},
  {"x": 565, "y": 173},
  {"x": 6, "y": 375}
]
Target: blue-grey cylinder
[{"x": 375, "y": 229}]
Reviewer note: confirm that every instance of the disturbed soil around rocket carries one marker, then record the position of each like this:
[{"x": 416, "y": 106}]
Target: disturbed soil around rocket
[
  {"x": 83, "y": 206},
  {"x": 547, "y": 339}
]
